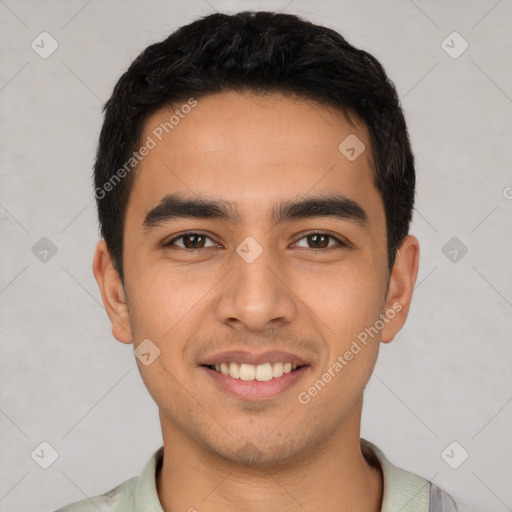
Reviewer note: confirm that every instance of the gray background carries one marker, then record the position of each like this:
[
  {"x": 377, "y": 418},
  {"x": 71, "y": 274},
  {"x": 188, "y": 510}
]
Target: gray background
[{"x": 66, "y": 381}]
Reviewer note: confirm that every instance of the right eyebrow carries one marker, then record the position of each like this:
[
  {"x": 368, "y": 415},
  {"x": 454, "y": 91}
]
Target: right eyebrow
[{"x": 174, "y": 206}]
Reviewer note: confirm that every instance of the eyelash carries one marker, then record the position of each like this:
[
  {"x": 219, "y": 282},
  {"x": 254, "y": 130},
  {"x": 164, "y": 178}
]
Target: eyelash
[{"x": 340, "y": 243}]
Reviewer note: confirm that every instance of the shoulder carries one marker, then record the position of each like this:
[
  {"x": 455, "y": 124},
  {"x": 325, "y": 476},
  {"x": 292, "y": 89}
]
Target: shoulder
[
  {"x": 138, "y": 493},
  {"x": 406, "y": 491},
  {"x": 118, "y": 499}
]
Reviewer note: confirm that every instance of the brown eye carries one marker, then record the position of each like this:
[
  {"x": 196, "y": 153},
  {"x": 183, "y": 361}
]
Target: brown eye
[
  {"x": 190, "y": 241},
  {"x": 320, "y": 240},
  {"x": 193, "y": 241}
]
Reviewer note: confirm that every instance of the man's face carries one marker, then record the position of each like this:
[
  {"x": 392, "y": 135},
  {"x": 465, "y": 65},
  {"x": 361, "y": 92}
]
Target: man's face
[{"x": 258, "y": 287}]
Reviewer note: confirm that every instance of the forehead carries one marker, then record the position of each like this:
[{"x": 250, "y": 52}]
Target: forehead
[{"x": 252, "y": 149}]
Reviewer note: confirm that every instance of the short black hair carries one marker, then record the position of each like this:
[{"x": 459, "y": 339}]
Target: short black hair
[{"x": 260, "y": 52}]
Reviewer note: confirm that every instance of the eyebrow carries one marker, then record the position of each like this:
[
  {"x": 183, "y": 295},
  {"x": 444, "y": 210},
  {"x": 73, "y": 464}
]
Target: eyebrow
[{"x": 175, "y": 206}]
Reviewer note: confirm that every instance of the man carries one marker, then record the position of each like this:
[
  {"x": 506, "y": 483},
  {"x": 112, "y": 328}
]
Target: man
[{"x": 255, "y": 185}]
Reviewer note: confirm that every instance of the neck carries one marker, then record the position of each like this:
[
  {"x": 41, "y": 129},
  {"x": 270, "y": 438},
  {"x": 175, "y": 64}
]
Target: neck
[{"x": 334, "y": 476}]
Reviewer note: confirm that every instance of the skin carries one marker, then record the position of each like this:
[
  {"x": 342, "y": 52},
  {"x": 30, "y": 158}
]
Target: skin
[{"x": 257, "y": 151}]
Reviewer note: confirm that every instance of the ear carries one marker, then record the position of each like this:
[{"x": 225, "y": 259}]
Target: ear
[
  {"x": 401, "y": 287},
  {"x": 112, "y": 293}
]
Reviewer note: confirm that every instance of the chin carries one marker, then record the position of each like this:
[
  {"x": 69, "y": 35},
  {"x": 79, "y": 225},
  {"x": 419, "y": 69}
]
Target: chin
[{"x": 265, "y": 454}]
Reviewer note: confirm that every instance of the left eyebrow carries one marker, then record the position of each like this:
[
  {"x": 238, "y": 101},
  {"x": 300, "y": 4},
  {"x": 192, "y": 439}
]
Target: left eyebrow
[
  {"x": 174, "y": 206},
  {"x": 334, "y": 205}
]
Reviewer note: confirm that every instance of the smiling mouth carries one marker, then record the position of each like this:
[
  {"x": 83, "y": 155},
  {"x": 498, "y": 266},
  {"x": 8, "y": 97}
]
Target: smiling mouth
[{"x": 262, "y": 373}]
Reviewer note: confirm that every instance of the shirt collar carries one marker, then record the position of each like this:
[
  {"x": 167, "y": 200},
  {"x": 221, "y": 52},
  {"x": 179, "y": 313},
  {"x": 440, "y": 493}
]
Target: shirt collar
[
  {"x": 145, "y": 494},
  {"x": 403, "y": 491}
]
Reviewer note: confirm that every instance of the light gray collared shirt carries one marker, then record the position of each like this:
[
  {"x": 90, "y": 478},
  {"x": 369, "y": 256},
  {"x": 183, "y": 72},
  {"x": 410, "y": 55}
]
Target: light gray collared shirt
[{"x": 403, "y": 491}]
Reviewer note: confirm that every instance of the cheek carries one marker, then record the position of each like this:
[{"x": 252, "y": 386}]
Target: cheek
[
  {"x": 348, "y": 303},
  {"x": 348, "y": 311},
  {"x": 347, "y": 299},
  {"x": 162, "y": 296}
]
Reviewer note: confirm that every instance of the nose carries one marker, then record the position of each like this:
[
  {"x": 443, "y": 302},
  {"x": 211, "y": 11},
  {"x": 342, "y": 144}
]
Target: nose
[{"x": 255, "y": 295}]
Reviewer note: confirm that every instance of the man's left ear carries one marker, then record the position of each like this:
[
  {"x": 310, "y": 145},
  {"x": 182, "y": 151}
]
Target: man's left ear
[{"x": 401, "y": 287}]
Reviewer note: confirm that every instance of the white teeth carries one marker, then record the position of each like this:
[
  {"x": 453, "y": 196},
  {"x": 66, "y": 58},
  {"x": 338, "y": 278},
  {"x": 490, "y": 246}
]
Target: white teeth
[
  {"x": 264, "y": 372},
  {"x": 278, "y": 370},
  {"x": 234, "y": 370},
  {"x": 261, "y": 373},
  {"x": 247, "y": 372}
]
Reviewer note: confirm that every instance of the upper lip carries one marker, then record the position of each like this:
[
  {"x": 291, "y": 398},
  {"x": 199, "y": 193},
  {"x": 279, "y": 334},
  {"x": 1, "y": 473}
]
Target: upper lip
[{"x": 244, "y": 356}]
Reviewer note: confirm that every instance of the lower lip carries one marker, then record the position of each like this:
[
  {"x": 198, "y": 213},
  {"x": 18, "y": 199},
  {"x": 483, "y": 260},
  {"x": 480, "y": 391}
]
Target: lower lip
[{"x": 254, "y": 389}]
